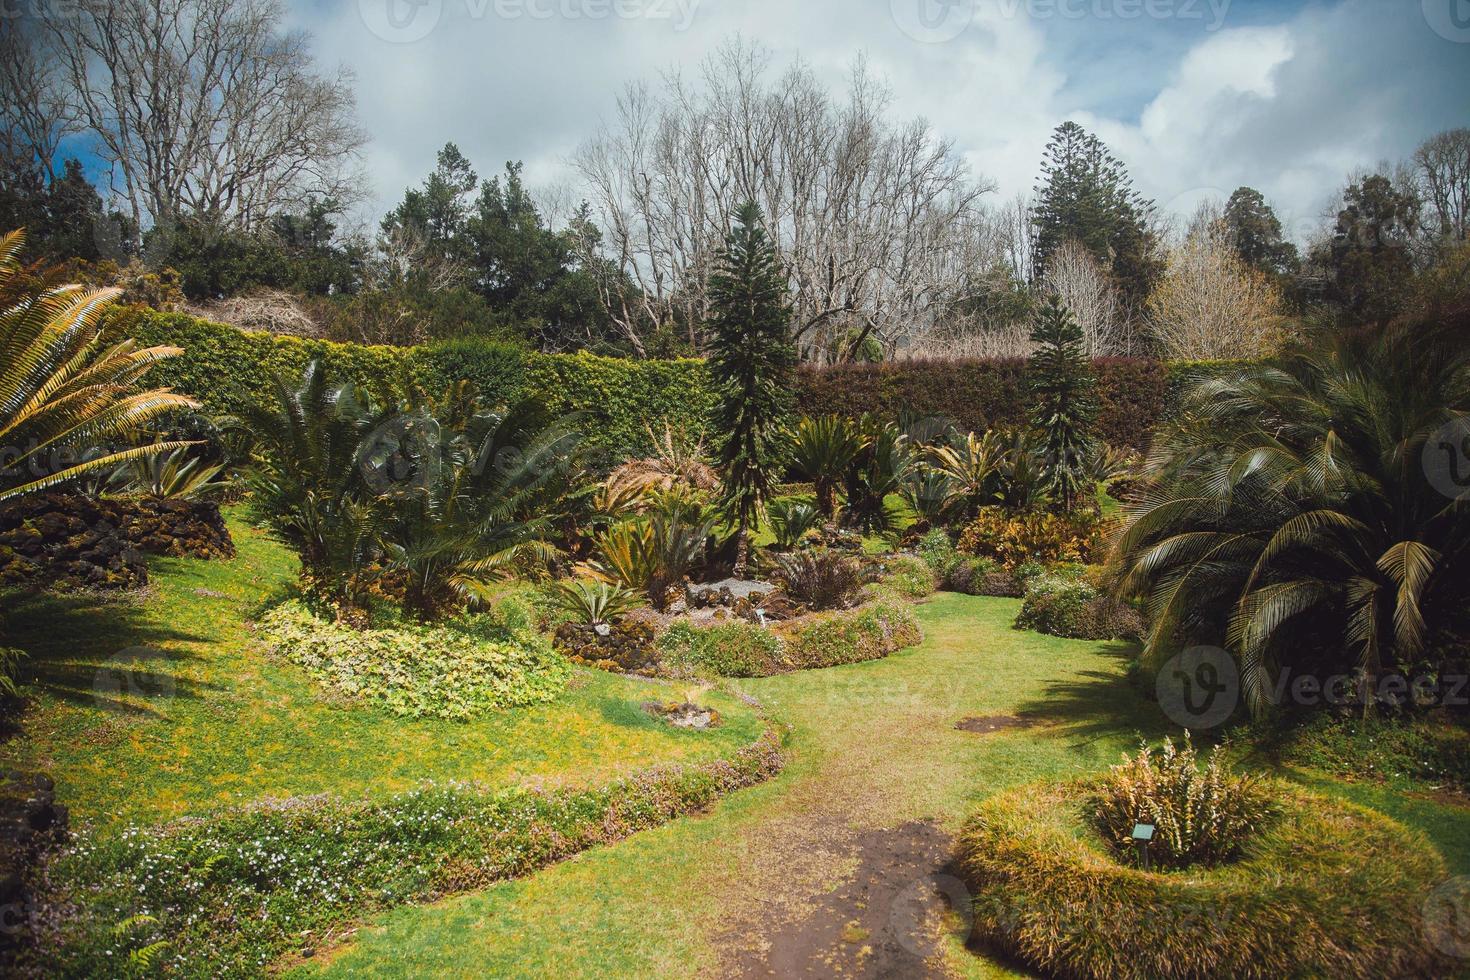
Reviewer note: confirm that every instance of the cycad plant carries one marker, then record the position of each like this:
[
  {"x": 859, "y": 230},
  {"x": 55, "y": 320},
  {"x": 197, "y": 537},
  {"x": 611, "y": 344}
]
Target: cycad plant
[
  {"x": 880, "y": 470},
  {"x": 593, "y": 603},
  {"x": 791, "y": 521},
  {"x": 822, "y": 450},
  {"x": 65, "y": 398},
  {"x": 169, "y": 475},
  {"x": 973, "y": 468},
  {"x": 1296, "y": 518}
]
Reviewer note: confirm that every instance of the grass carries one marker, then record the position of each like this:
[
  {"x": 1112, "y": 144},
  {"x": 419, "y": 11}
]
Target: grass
[
  {"x": 872, "y": 745},
  {"x": 156, "y": 706}
]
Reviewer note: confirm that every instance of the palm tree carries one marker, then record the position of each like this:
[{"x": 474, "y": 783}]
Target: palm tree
[
  {"x": 822, "y": 449},
  {"x": 65, "y": 396},
  {"x": 1295, "y": 519}
]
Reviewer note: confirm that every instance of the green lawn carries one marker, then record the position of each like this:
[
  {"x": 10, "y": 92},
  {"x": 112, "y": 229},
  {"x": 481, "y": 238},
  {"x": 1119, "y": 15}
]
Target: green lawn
[
  {"x": 873, "y": 745},
  {"x": 203, "y": 716}
]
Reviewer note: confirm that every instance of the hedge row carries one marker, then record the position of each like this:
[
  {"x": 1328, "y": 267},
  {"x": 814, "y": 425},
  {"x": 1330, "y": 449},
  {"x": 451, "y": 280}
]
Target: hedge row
[
  {"x": 231, "y": 895},
  {"x": 227, "y": 368}
]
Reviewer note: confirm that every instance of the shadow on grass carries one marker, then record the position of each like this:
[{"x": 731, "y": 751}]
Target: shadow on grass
[
  {"x": 92, "y": 650},
  {"x": 1098, "y": 704}
]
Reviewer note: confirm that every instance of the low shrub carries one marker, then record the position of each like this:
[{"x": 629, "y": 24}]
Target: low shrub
[
  {"x": 821, "y": 578},
  {"x": 866, "y": 633},
  {"x": 1324, "y": 888},
  {"x": 907, "y": 576},
  {"x": 1199, "y": 815},
  {"x": 938, "y": 552},
  {"x": 230, "y": 895},
  {"x": 1425, "y": 749},
  {"x": 1014, "y": 538},
  {"x": 453, "y": 670},
  {"x": 1076, "y": 609},
  {"x": 731, "y": 649}
]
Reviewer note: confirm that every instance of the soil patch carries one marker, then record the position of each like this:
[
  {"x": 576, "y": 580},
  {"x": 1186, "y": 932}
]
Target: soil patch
[
  {"x": 885, "y": 920},
  {"x": 984, "y": 725}
]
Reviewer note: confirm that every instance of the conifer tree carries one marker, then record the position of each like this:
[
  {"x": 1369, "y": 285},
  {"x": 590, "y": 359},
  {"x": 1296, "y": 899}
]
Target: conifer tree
[
  {"x": 1065, "y": 403},
  {"x": 752, "y": 361}
]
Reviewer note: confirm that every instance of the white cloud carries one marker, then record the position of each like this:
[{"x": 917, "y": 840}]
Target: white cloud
[{"x": 1286, "y": 103}]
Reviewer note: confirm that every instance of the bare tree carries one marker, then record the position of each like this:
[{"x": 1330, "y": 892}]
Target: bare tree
[
  {"x": 1209, "y": 304},
  {"x": 878, "y": 225},
  {"x": 1442, "y": 169},
  {"x": 34, "y": 114},
  {"x": 207, "y": 108},
  {"x": 1085, "y": 289}
]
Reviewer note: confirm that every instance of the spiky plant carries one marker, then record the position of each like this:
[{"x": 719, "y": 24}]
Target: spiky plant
[
  {"x": 973, "y": 467},
  {"x": 822, "y": 450},
  {"x": 880, "y": 470},
  {"x": 1295, "y": 517},
  {"x": 930, "y": 493},
  {"x": 65, "y": 398},
  {"x": 593, "y": 603},
  {"x": 791, "y": 521},
  {"x": 169, "y": 475},
  {"x": 677, "y": 461}
]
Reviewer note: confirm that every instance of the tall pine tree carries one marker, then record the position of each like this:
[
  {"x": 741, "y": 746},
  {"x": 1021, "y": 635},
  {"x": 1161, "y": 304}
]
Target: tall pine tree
[
  {"x": 1086, "y": 196},
  {"x": 752, "y": 361},
  {"x": 1063, "y": 387}
]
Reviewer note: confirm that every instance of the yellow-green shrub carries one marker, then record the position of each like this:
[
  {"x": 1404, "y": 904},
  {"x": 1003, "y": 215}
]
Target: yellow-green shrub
[
  {"x": 866, "y": 633},
  {"x": 1325, "y": 888},
  {"x": 1015, "y": 538}
]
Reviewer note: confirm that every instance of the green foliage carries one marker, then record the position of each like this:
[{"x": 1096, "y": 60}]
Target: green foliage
[
  {"x": 455, "y": 670},
  {"x": 752, "y": 360},
  {"x": 1076, "y": 609},
  {"x": 169, "y": 475},
  {"x": 730, "y": 649},
  {"x": 1318, "y": 878},
  {"x": 10, "y": 659},
  {"x": 907, "y": 576},
  {"x": 653, "y": 552},
  {"x": 1200, "y": 815},
  {"x": 851, "y": 636},
  {"x": 65, "y": 394},
  {"x": 1252, "y": 227},
  {"x": 937, "y": 550},
  {"x": 791, "y": 521},
  {"x": 822, "y": 450},
  {"x": 820, "y": 578},
  {"x": 1062, "y": 383},
  {"x": 1293, "y": 517},
  {"x": 1016, "y": 538},
  {"x": 1427, "y": 751},
  {"x": 1370, "y": 256},
  {"x": 592, "y": 603},
  {"x": 879, "y": 471},
  {"x": 308, "y": 865}
]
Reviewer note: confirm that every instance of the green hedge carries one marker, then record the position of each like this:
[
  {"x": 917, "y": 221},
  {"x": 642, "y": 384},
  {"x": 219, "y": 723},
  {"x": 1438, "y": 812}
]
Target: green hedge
[{"x": 227, "y": 368}]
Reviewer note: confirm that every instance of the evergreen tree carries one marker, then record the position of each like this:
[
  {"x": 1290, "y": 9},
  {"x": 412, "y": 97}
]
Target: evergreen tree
[
  {"x": 1086, "y": 196},
  {"x": 752, "y": 361},
  {"x": 1255, "y": 231},
  {"x": 1369, "y": 259},
  {"x": 1065, "y": 403}
]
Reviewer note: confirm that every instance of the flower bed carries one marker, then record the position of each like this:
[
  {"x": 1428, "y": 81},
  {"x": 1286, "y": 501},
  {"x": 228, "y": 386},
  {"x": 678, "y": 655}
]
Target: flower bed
[
  {"x": 231, "y": 895},
  {"x": 1323, "y": 889},
  {"x": 451, "y": 670}
]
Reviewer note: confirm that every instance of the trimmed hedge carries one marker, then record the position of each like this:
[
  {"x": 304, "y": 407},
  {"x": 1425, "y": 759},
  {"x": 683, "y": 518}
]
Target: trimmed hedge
[
  {"x": 1326, "y": 888},
  {"x": 231, "y": 895},
  {"x": 226, "y": 366}
]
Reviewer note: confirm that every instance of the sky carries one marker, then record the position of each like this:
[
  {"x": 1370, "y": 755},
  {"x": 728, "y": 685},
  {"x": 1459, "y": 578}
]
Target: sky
[{"x": 1196, "y": 97}]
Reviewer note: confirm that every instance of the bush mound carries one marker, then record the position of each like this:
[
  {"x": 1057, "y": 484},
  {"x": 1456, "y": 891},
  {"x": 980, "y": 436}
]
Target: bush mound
[
  {"x": 1015, "y": 538},
  {"x": 453, "y": 670},
  {"x": 230, "y": 895},
  {"x": 739, "y": 649},
  {"x": 1076, "y": 609},
  {"x": 1324, "y": 888},
  {"x": 907, "y": 576}
]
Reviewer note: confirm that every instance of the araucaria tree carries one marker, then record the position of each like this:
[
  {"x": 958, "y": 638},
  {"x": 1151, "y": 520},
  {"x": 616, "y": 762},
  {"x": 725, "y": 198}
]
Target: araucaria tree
[
  {"x": 1065, "y": 403},
  {"x": 752, "y": 361}
]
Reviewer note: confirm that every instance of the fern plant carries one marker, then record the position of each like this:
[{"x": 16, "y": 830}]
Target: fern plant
[
  {"x": 65, "y": 399},
  {"x": 791, "y": 521}
]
